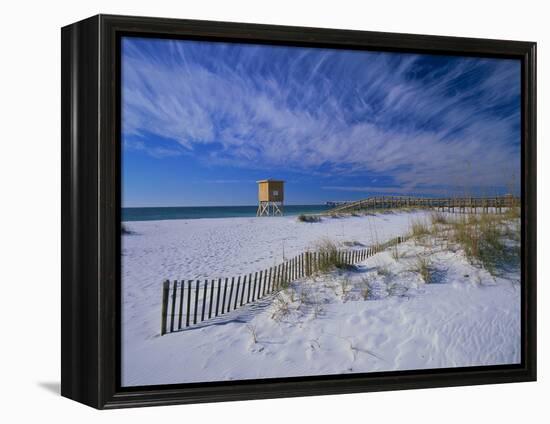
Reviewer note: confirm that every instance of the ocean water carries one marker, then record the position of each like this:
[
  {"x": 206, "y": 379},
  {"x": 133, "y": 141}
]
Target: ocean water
[{"x": 196, "y": 212}]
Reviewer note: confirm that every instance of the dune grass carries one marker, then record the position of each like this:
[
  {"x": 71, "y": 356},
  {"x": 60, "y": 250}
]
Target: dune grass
[
  {"x": 329, "y": 257},
  {"x": 419, "y": 228},
  {"x": 423, "y": 267},
  {"x": 308, "y": 218},
  {"x": 484, "y": 238}
]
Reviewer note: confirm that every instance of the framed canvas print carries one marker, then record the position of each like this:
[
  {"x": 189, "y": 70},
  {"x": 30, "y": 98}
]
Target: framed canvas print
[{"x": 254, "y": 211}]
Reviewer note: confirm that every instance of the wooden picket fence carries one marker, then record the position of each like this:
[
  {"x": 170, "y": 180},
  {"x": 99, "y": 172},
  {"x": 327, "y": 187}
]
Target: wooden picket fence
[{"x": 189, "y": 302}]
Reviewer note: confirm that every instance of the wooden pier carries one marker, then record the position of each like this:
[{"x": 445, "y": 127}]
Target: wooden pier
[{"x": 447, "y": 204}]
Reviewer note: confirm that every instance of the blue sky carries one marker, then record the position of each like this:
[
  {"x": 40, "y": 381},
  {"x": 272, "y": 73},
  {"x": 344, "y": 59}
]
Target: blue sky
[{"x": 202, "y": 121}]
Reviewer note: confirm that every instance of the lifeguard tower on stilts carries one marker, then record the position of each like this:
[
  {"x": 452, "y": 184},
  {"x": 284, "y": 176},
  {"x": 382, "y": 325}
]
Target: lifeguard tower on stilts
[{"x": 270, "y": 197}]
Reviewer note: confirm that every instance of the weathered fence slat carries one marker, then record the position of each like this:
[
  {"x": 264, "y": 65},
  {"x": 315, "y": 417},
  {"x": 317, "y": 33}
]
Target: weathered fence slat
[
  {"x": 249, "y": 286},
  {"x": 196, "y": 301},
  {"x": 224, "y": 294},
  {"x": 269, "y": 286},
  {"x": 211, "y": 299},
  {"x": 258, "y": 294},
  {"x": 218, "y": 296},
  {"x": 254, "y": 289},
  {"x": 230, "y": 294},
  {"x": 165, "y": 294},
  {"x": 263, "y": 290},
  {"x": 188, "y": 302},
  {"x": 288, "y": 271},
  {"x": 242, "y": 293},
  {"x": 180, "y": 314},
  {"x": 237, "y": 292},
  {"x": 204, "y": 299},
  {"x": 173, "y": 309},
  {"x": 277, "y": 277}
]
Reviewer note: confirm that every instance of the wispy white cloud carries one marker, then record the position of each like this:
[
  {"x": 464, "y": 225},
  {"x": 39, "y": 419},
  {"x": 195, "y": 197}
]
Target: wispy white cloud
[
  {"x": 158, "y": 152},
  {"x": 421, "y": 121},
  {"x": 411, "y": 190}
]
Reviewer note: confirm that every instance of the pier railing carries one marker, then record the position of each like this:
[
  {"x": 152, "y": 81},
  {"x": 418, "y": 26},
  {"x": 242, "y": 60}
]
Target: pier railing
[
  {"x": 186, "y": 303},
  {"x": 450, "y": 204}
]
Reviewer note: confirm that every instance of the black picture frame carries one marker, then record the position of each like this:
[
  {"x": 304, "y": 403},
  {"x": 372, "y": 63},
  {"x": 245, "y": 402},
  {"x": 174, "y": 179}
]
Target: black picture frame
[{"x": 90, "y": 221}]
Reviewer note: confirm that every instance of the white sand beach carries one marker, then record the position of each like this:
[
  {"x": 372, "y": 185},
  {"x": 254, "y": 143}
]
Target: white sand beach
[{"x": 465, "y": 317}]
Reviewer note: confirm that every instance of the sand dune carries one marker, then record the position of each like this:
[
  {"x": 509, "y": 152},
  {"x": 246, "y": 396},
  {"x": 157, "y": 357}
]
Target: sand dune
[{"x": 465, "y": 317}]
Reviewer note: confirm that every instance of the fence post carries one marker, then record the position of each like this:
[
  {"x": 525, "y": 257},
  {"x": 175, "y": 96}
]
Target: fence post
[
  {"x": 289, "y": 270},
  {"x": 211, "y": 299},
  {"x": 242, "y": 292},
  {"x": 196, "y": 301},
  {"x": 188, "y": 302},
  {"x": 230, "y": 294},
  {"x": 224, "y": 294},
  {"x": 237, "y": 292},
  {"x": 204, "y": 299},
  {"x": 317, "y": 261},
  {"x": 259, "y": 294},
  {"x": 267, "y": 280},
  {"x": 254, "y": 289},
  {"x": 249, "y": 287},
  {"x": 218, "y": 295},
  {"x": 173, "y": 310},
  {"x": 165, "y": 292},
  {"x": 180, "y": 315}
]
